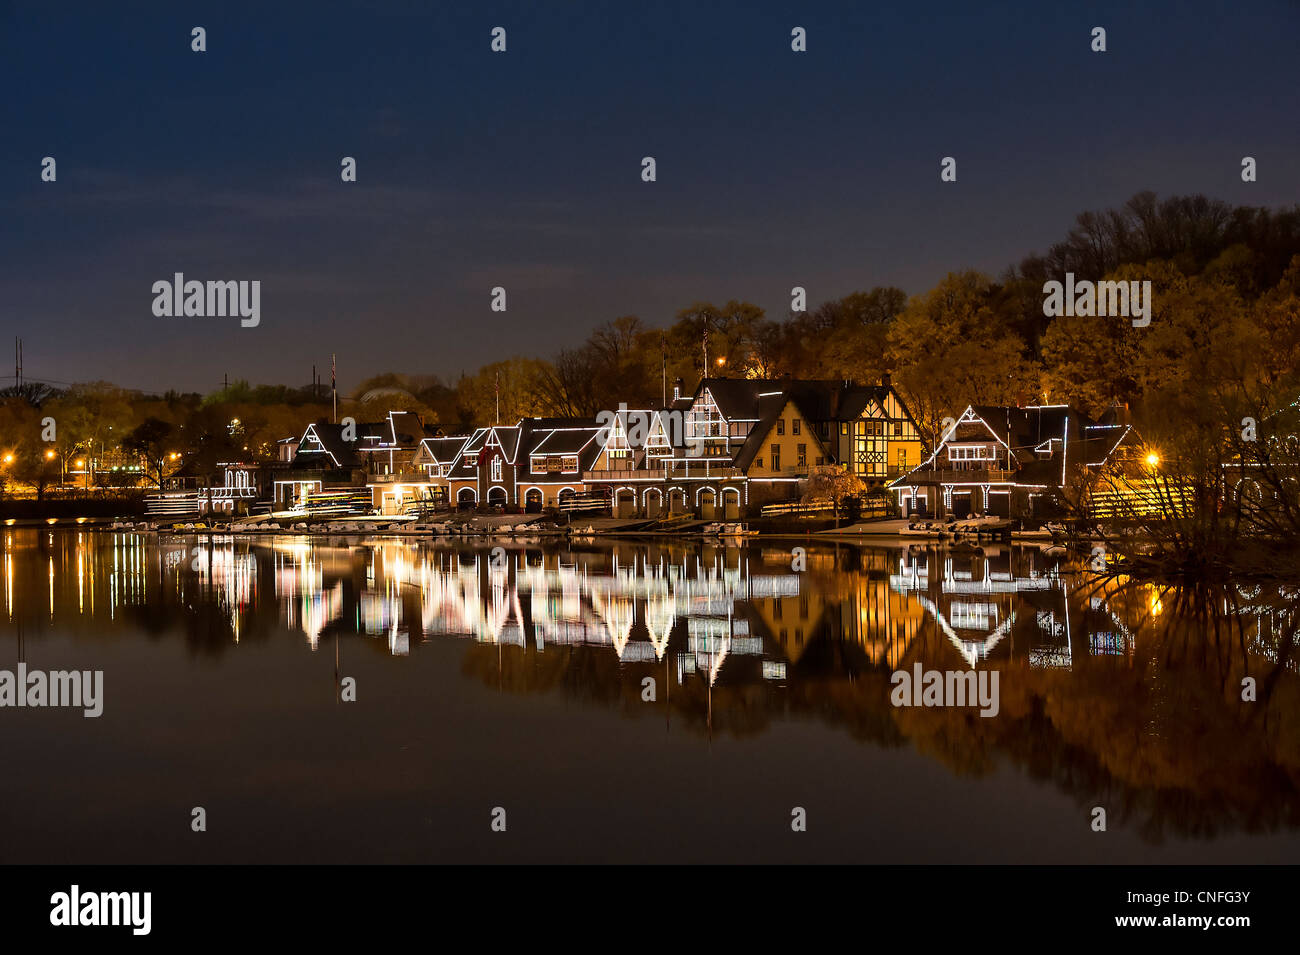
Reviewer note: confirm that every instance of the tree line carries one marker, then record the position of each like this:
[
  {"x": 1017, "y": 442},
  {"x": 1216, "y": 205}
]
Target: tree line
[{"x": 1225, "y": 325}]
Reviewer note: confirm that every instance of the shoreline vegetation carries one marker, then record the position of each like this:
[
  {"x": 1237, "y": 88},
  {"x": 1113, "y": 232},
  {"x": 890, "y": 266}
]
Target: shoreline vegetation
[{"x": 1209, "y": 380}]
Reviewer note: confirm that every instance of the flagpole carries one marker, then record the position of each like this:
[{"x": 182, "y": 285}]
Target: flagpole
[
  {"x": 334, "y": 387},
  {"x": 663, "y": 358}
]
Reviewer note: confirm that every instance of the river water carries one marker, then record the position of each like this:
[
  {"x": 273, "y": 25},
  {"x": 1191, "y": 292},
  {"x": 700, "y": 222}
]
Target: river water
[{"x": 642, "y": 701}]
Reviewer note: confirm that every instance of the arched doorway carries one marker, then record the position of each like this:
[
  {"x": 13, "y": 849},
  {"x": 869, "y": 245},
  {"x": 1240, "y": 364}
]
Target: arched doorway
[
  {"x": 730, "y": 504},
  {"x": 653, "y": 502},
  {"x": 533, "y": 500},
  {"x": 497, "y": 497},
  {"x": 625, "y": 502},
  {"x": 465, "y": 497},
  {"x": 677, "y": 501},
  {"x": 706, "y": 499}
]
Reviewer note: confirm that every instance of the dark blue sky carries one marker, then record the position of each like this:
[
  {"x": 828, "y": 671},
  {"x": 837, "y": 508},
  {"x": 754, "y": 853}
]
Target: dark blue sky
[{"x": 523, "y": 169}]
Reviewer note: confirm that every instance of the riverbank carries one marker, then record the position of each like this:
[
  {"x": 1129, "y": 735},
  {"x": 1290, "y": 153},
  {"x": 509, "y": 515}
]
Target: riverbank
[
  {"x": 73, "y": 506},
  {"x": 537, "y": 526}
]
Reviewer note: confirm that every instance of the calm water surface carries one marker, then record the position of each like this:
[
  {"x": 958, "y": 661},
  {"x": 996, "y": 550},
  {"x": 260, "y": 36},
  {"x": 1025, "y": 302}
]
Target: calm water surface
[{"x": 518, "y": 680}]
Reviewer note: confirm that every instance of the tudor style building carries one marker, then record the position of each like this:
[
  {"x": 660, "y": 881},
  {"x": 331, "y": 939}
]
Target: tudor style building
[
  {"x": 738, "y": 443},
  {"x": 721, "y": 452},
  {"x": 999, "y": 459}
]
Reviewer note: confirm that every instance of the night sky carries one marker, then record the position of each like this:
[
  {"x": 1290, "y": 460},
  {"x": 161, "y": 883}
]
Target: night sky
[{"x": 522, "y": 169}]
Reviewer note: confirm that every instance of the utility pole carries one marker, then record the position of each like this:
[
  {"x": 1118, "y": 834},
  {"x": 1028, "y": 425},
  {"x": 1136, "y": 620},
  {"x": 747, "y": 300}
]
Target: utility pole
[
  {"x": 497, "y": 389},
  {"x": 334, "y": 386}
]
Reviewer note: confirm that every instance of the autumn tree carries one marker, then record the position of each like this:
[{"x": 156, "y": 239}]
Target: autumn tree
[
  {"x": 834, "y": 483},
  {"x": 955, "y": 346}
]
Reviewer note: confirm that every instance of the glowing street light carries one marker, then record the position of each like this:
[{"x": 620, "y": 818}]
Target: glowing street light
[{"x": 1153, "y": 459}]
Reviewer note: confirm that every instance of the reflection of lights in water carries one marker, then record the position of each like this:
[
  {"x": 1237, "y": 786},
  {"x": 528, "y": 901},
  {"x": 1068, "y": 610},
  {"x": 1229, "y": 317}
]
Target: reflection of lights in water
[
  {"x": 230, "y": 577},
  {"x": 715, "y": 610},
  {"x": 964, "y": 615}
]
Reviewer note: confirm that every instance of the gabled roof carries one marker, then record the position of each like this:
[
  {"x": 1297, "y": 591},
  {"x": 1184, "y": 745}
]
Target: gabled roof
[
  {"x": 738, "y": 398},
  {"x": 444, "y": 450},
  {"x": 372, "y": 434},
  {"x": 1045, "y": 441},
  {"x": 406, "y": 428},
  {"x": 820, "y": 399},
  {"x": 322, "y": 445},
  {"x": 530, "y": 436},
  {"x": 465, "y": 464},
  {"x": 771, "y": 407},
  {"x": 505, "y": 437},
  {"x": 575, "y": 436},
  {"x": 563, "y": 440}
]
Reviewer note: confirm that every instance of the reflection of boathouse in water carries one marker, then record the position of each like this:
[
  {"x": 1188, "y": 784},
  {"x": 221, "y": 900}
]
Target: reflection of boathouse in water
[
  {"x": 996, "y": 602},
  {"x": 737, "y": 614},
  {"x": 710, "y": 606}
]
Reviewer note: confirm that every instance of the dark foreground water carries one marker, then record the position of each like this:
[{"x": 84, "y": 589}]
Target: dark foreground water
[{"x": 521, "y": 679}]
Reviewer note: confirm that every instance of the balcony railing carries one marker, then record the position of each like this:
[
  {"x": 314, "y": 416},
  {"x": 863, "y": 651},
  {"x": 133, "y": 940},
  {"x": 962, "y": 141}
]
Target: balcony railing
[
  {"x": 961, "y": 476},
  {"x": 399, "y": 477},
  {"x": 703, "y": 469}
]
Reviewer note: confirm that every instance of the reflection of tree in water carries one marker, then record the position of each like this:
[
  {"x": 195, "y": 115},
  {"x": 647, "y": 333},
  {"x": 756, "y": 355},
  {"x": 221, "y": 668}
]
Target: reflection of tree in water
[
  {"x": 205, "y": 625},
  {"x": 1160, "y": 737},
  {"x": 1150, "y": 725}
]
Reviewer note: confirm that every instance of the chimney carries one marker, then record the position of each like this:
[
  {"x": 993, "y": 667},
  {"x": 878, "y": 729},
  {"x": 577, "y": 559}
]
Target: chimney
[
  {"x": 885, "y": 380},
  {"x": 677, "y": 388}
]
